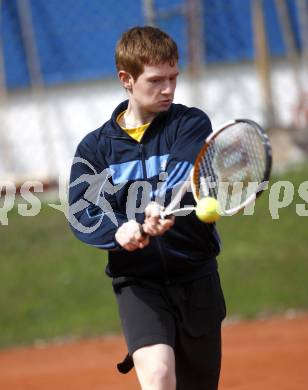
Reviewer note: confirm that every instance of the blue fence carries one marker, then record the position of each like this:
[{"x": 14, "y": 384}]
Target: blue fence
[{"x": 75, "y": 39}]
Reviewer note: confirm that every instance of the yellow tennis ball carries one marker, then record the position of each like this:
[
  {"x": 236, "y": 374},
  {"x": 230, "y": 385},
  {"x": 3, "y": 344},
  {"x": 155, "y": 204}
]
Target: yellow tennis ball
[{"x": 207, "y": 210}]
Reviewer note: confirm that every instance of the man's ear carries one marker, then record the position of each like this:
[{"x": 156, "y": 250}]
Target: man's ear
[{"x": 126, "y": 79}]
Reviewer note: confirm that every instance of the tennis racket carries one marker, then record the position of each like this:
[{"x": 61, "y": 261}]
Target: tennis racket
[{"x": 233, "y": 166}]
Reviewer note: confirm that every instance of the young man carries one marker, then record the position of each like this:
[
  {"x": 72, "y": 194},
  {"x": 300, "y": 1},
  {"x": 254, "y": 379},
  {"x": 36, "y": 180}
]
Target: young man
[{"x": 164, "y": 271}]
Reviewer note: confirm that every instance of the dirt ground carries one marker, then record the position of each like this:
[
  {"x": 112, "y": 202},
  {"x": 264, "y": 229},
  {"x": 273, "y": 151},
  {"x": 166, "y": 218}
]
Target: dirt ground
[{"x": 260, "y": 355}]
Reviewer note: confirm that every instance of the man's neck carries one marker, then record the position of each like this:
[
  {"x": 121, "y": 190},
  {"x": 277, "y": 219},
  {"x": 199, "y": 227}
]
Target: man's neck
[{"x": 135, "y": 117}]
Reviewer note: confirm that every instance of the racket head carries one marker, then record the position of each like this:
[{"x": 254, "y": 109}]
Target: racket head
[{"x": 233, "y": 166}]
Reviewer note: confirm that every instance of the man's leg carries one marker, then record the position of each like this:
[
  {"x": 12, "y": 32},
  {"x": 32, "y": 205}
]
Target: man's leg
[
  {"x": 198, "y": 337},
  {"x": 149, "y": 329},
  {"x": 198, "y": 361},
  {"x": 155, "y": 367}
]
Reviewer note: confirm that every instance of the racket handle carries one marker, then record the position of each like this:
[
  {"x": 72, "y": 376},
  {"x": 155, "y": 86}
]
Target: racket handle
[{"x": 163, "y": 215}]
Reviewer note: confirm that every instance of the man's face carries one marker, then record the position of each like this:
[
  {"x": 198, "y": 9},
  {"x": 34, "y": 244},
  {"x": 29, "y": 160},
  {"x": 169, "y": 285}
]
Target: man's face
[{"x": 153, "y": 91}]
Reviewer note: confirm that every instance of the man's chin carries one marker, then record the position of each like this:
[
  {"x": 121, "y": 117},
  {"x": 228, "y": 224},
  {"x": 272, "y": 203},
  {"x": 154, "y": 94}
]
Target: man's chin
[
  {"x": 164, "y": 106},
  {"x": 159, "y": 107}
]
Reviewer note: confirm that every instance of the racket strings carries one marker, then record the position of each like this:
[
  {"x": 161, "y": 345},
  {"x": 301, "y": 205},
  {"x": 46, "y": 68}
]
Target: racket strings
[
  {"x": 208, "y": 178},
  {"x": 257, "y": 154},
  {"x": 233, "y": 165}
]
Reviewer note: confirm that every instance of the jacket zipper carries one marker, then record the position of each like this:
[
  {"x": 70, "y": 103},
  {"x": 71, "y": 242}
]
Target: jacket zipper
[
  {"x": 159, "y": 245},
  {"x": 163, "y": 259},
  {"x": 144, "y": 169}
]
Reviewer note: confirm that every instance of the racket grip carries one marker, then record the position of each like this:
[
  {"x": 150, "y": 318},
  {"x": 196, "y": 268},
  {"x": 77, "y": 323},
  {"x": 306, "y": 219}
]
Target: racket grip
[{"x": 163, "y": 215}]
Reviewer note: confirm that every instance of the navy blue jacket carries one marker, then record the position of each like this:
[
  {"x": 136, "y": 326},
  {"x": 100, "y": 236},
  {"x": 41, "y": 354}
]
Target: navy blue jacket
[{"x": 114, "y": 177}]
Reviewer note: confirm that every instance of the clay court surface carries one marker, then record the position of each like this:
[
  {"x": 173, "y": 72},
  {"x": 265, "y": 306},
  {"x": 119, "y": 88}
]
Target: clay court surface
[{"x": 260, "y": 355}]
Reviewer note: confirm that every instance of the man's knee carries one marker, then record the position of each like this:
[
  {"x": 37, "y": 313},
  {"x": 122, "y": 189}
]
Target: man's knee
[
  {"x": 162, "y": 376},
  {"x": 155, "y": 367}
]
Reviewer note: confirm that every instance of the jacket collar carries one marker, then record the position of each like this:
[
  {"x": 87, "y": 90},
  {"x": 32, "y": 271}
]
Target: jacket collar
[{"x": 115, "y": 130}]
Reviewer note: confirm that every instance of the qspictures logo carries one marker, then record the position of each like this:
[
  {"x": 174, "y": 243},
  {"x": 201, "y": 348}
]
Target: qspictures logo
[{"x": 93, "y": 197}]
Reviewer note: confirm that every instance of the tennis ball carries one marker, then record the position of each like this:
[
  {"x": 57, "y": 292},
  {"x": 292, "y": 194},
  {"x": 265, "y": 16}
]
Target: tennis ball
[{"x": 207, "y": 210}]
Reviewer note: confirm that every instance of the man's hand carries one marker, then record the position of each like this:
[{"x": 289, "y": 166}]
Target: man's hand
[
  {"x": 154, "y": 225},
  {"x": 130, "y": 236}
]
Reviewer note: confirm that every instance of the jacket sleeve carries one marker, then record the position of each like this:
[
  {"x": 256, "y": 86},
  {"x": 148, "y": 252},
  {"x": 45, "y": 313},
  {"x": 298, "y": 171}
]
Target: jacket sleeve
[
  {"x": 93, "y": 214},
  {"x": 193, "y": 129}
]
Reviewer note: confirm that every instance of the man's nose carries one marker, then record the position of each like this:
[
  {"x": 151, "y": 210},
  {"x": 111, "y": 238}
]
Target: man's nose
[{"x": 168, "y": 88}]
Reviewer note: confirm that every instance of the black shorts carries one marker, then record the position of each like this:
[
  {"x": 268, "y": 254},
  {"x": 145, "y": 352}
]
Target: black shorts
[{"x": 185, "y": 316}]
